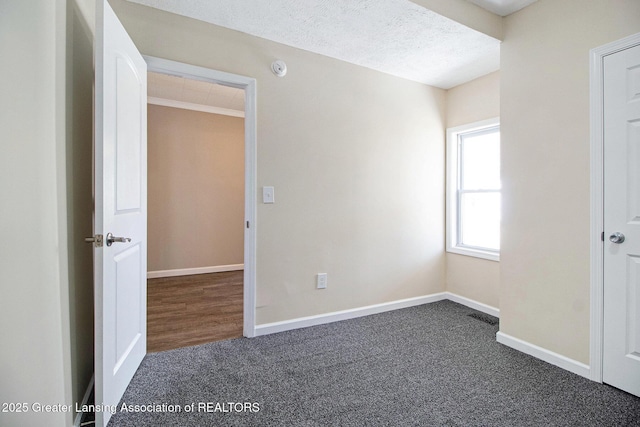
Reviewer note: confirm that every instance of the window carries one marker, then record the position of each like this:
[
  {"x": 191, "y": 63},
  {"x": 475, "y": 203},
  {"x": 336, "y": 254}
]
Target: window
[{"x": 473, "y": 189}]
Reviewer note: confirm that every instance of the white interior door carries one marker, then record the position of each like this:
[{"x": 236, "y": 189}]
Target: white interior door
[
  {"x": 120, "y": 208},
  {"x": 621, "y": 355}
]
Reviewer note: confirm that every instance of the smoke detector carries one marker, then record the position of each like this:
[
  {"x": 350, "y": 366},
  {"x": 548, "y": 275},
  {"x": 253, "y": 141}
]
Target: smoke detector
[{"x": 279, "y": 68}]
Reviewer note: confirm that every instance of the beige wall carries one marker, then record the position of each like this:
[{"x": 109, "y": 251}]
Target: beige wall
[
  {"x": 470, "y": 277},
  {"x": 356, "y": 159},
  {"x": 544, "y": 293},
  {"x": 35, "y": 360},
  {"x": 195, "y": 189},
  {"x": 476, "y": 100}
]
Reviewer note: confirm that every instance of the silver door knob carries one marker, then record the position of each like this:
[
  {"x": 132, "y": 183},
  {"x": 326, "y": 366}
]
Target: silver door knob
[
  {"x": 111, "y": 239},
  {"x": 617, "y": 237}
]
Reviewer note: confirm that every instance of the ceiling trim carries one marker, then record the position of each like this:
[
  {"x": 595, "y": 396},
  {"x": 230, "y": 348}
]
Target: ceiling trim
[{"x": 194, "y": 107}]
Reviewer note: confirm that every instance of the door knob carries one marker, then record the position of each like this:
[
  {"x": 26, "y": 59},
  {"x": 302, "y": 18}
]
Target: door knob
[
  {"x": 617, "y": 237},
  {"x": 111, "y": 239}
]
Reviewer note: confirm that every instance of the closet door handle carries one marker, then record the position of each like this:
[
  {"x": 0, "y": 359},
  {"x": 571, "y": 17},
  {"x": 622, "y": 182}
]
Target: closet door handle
[{"x": 617, "y": 237}]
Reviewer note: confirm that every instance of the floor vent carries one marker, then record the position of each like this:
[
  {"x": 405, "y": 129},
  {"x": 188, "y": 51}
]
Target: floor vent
[{"x": 485, "y": 318}]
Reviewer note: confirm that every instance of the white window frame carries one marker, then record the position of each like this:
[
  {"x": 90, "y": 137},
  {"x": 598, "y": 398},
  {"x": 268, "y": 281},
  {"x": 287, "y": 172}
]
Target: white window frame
[{"x": 453, "y": 178}]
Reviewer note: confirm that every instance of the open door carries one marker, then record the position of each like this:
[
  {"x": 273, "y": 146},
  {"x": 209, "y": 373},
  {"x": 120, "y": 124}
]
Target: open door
[{"x": 120, "y": 221}]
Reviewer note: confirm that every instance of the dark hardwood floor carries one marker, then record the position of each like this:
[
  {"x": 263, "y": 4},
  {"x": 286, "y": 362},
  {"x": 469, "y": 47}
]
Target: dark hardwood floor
[{"x": 190, "y": 310}]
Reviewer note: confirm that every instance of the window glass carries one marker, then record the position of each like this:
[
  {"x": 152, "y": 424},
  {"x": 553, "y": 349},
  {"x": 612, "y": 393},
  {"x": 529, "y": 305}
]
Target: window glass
[
  {"x": 480, "y": 160},
  {"x": 480, "y": 220},
  {"x": 473, "y": 189}
]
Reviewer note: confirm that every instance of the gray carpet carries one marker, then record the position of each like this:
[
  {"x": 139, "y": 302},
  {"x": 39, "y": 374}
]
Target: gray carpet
[{"x": 431, "y": 365}]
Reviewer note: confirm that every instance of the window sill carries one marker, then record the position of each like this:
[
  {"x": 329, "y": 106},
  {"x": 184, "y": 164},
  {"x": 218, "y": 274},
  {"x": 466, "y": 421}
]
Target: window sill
[{"x": 476, "y": 253}]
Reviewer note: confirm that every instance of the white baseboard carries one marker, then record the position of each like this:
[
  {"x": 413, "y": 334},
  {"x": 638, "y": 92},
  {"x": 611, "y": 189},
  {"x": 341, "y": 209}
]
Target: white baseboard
[
  {"x": 545, "y": 355},
  {"x": 321, "y": 319},
  {"x": 85, "y": 399},
  {"x": 515, "y": 343},
  {"x": 191, "y": 271},
  {"x": 473, "y": 304}
]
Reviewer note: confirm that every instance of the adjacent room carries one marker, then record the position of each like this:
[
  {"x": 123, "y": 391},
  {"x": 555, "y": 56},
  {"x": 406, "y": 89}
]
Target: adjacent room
[{"x": 195, "y": 148}]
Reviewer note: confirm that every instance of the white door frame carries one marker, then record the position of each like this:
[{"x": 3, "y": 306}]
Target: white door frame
[
  {"x": 597, "y": 56},
  {"x": 174, "y": 68}
]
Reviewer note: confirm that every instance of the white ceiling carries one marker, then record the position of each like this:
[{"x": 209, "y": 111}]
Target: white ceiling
[
  {"x": 503, "y": 7},
  {"x": 397, "y": 37},
  {"x": 191, "y": 93}
]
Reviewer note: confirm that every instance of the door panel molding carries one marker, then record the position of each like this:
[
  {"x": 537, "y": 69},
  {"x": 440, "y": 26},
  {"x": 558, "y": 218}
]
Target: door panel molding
[
  {"x": 165, "y": 66},
  {"x": 597, "y": 56}
]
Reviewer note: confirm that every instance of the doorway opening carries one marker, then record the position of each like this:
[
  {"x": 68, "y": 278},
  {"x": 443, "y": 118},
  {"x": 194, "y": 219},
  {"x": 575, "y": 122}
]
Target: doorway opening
[
  {"x": 201, "y": 205},
  {"x": 195, "y": 170}
]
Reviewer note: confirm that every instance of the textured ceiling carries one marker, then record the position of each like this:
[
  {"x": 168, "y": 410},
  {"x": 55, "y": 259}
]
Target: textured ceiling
[
  {"x": 397, "y": 37},
  {"x": 503, "y": 7},
  {"x": 194, "y": 92}
]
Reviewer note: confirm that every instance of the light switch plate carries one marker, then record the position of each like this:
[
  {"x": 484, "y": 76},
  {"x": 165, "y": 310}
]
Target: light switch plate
[
  {"x": 321, "y": 281},
  {"x": 268, "y": 195}
]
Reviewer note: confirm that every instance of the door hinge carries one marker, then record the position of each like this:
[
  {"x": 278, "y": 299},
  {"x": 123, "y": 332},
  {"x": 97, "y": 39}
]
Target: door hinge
[
  {"x": 96, "y": 240},
  {"x": 602, "y": 236},
  {"x": 247, "y": 224}
]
